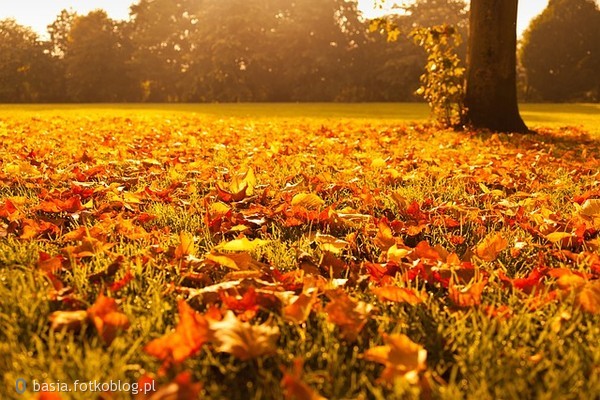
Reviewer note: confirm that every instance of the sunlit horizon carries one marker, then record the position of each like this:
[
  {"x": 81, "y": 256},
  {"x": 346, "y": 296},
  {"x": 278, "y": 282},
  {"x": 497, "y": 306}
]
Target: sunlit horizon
[{"x": 38, "y": 14}]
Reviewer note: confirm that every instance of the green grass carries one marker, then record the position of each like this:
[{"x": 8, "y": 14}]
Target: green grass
[
  {"x": 515, "y": 185},
  {"x": 553, "y": 115}
]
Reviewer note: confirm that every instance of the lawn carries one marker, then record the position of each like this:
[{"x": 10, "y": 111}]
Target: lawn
[{"x": 297, "y": 251}]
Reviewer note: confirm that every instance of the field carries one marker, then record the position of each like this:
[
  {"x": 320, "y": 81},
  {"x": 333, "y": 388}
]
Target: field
[{"x": 297, "y": 251}]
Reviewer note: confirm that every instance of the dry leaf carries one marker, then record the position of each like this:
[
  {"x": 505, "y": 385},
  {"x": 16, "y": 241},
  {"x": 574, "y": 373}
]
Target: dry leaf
[
  {"x": 330, "y": 243},
  {"x": 299, "y": 310},
  {"x": 466, "y": 295},
  {"x": 182, "y": 388},
  {"x": 242, "y": 244},
  {"x": 489, "y": 248},
  {"x": 348, "y": 314},
  {"x": 401, "y": 356},
  {"x": 191, "y": 333},
  {"x": 307, "y": 200},
  {"x": 556, "y": 237},
  {"x": 293, "y": 386},
  {"x": 69, "y": 320},
  {"x": 399, "y": 295},
  {"x": 396, "y": 253},
  {"x": 237, "y": 261},
  {"x": 588, "y": 297},
  {"x": 590, "y": 208},
  {"x": 243, "y": 340},
  {"x": 185, "y": 246},
  {"x": 107, "y": 318}
]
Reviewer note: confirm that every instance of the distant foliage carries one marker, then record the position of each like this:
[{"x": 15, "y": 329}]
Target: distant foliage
[
  {"x": 442, "y": 84},
  {"x": 560, "y": 52}
]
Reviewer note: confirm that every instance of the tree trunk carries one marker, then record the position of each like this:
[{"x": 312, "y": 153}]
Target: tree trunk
[{"x": 491, "y": 92}]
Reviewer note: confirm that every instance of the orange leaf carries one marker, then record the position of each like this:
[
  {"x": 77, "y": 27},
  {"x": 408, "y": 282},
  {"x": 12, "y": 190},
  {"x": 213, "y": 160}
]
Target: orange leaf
[
  {"x": 348, "y": 314},
  {"x": 293, "y": 386},
  {"x": 298, "y": 311},
  {"x": 191, "y": 333},
  {"x": 48, "y": 396},
  {"x": 401, "y": 357},
  {"x": 398, "y": 294},
  {"x": 385, "y": 238},
  {"x": 70, "y": 205},
  {"x": 588, "y": 297},
  {"x": 466, "y": 296},
  {"x": 489, "y": 248},
  {"x": 182, "y": 388},
  {"x": 107, "y": 318}
]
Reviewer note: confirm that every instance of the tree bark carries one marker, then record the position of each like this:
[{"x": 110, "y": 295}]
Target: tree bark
[{"x": 491, "y": 92}]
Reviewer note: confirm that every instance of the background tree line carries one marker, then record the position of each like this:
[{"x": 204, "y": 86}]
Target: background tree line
[{"x": 273, "y": 50}]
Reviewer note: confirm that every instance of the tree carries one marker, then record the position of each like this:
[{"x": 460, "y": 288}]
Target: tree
[
  {"x": 561, "y": 51},
  {"x": 24, "y": 62},
  {"x": 97, "y": 61},
  {"x": 491, "y": 87},
  {"x": 160, "y": 33}
]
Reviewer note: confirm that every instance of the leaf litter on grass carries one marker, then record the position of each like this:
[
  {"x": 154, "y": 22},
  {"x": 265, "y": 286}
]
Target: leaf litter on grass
[{"x": 309, "y": 259}]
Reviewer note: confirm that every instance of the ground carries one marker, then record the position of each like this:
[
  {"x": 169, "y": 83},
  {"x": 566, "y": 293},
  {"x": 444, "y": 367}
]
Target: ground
[{"x": 263, "y": 251}]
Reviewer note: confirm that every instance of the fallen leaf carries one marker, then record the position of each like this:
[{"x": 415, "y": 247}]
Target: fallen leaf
[
  {"x": 330, "y": 243},
  {"x": 348, "y": 314},
  {"x": 69, "y": 320},
  {"x": 401, "y": 356},
  {"x": 399, "y": 294},
  {"x": 293, "y": 386},
  {"x": 489, "y": 248},
  {"x": 185, "y": 246},
  {"x": 236, "y": 261},
  {"x": 181, "y": 388},
  {"x": 299, "y": 309},
  {"x": 556, "y": 237},
  {"x": 107, "y": 318},
  {"x": 466, "y": 295},
  {"x": 588, "y": 297},
  {"x": 242, "y": 339},
  {"x": 242, "y": 244},
  {"x": 307, "y": 200},
  {"x": 590, "y": 208},
  {"x": 191, "y": 333}
]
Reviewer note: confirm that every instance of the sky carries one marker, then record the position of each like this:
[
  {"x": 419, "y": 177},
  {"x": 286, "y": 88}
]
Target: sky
[{"x": 40, "y": 13}]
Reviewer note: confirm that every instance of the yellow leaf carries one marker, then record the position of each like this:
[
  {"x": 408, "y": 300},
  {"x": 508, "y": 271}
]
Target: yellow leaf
[
  {"x": 397, "y": 254},
  {"x": 556, "y": 237},
  {"x": 590, "y": 208},
  {"x": 489, "y": 248},
  {"x": 185, "y": 246},
  {"x": 378, "y": 163},
  {"x": 244, "y": 181},
  {"x": 237, "y": 261},
  {"x": 307, "y": 200},
  {"x": 219, "y": 208},
  {"x": 242, "y": 244},
  {"x": 401, "y": 357}
]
